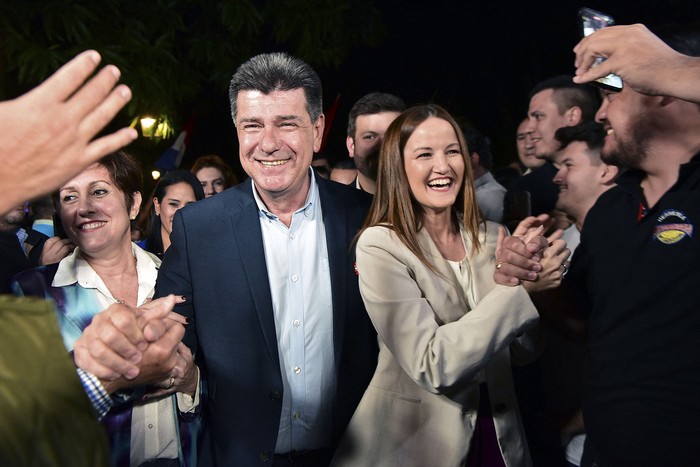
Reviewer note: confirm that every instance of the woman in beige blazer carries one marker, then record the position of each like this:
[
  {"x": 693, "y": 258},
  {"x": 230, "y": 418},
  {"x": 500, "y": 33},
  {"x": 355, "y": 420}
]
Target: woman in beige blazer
[{"x": 442, "y": 393}]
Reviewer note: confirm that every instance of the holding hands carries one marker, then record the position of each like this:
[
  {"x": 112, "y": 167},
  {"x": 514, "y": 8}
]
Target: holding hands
[
  {"x": 183, "y": 378},
  {"x": 529, "y": 257},
  {"x": 127, "y": 347}
]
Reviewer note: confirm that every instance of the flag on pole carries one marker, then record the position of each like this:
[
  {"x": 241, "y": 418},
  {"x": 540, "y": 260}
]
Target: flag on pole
[{"x": 172, "y": 157}]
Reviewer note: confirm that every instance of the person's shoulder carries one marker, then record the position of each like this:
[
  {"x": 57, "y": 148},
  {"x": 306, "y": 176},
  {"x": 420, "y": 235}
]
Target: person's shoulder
[
  {"x": 145, "y": 255},
  {"x": 492, "y": 187},
  {"x": 545, "y": 171},
  {"x": 343, "y": 196},
  {"x": 214, "y": 207},
  {"x": 381, "y": 234},
  {"x": 607, "y": 205},
  {"x": 612, "y": 196},
  {"x": 522, "y": 183},
  {"x": 489, "y": 228},
  {"x": 488, "y": 236},
  {"x": 340, "y": 189},
  {"x": 35, "y": 281},
  {"x": 497, "y": 187},
  {"x": 48, "y": 270}
]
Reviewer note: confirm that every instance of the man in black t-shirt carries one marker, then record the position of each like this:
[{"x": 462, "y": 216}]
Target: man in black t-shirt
[{"x": 638, "y": 263}]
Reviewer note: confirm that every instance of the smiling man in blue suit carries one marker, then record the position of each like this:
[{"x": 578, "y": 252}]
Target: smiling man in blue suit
[{"x": 267, "y": 269}]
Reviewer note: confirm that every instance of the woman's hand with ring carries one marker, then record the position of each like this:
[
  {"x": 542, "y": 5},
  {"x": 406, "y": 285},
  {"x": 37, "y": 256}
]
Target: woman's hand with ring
[
  {"x": 183, "y": 378},
  {"x": 554, "y": 260}
]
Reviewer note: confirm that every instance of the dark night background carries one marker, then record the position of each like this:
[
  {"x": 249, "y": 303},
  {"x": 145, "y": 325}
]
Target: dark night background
[{"x": 478, "y": 59}]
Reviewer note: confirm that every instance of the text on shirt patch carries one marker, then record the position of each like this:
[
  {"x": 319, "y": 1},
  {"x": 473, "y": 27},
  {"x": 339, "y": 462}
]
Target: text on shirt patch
[{"x": 675, "y": 229}]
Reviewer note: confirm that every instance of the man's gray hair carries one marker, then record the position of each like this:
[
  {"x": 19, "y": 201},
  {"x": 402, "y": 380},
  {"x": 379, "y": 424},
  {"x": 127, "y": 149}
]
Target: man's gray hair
[{"x": 277, "y": 71}]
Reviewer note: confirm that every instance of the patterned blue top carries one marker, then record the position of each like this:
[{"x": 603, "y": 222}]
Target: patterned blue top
[{"x": 78, "y": 294}]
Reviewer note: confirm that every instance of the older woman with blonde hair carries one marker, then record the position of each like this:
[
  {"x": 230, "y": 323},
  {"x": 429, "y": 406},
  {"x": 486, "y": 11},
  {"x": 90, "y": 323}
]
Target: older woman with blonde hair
[{"x": 442, "y": 393}]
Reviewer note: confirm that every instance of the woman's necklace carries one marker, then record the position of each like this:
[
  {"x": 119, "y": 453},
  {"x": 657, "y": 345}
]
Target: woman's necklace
[{"x": 127, "y": 293}]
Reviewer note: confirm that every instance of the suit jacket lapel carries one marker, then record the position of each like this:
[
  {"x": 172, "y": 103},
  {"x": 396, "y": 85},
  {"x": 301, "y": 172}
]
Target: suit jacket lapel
[
  {"x": 245, "y": 223},
  {"x": 482, "y": 264},
  {"x": 337, "y": 241}
]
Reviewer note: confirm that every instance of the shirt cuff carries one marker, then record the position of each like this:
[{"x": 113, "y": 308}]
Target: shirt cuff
[
  {"x": 99, "y": 398},
  {"x": 187, "y": 403}
]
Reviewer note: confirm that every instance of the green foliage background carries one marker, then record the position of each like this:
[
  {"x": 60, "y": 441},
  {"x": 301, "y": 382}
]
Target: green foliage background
[{"x": 170, "y": 50}]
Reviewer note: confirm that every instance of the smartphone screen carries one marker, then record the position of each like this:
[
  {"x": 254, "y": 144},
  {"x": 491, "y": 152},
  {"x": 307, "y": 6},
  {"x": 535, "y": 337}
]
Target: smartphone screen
[{"x": 591, "y": 21}]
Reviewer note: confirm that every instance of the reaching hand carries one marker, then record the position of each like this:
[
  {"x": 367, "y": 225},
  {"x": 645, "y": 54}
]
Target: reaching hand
[
  {"x": 47, "y": 133},
  {"x": 641, "y": 59},
  {"x": 54, "y": 250}
]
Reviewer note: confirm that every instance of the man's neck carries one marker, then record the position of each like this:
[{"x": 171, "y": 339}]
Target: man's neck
[
  {"x": 662, "y": 167},
  {"x": 673, "y": 144},
  {"x": 654, "y": 187},
  {"x": 366, "y": 184},
  {"x": 285, "y": 205}
]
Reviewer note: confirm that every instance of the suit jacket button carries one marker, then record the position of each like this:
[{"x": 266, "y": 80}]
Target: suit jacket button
[
  {"x": 264, "y": 456},
  {"x": 275, "y": 395}
]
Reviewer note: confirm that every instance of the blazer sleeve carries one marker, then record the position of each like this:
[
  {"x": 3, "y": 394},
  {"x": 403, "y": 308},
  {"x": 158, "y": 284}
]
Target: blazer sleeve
[
  {"x": 397, "y": 290},
  {"x": 527, "y": 347},
  {"x": 174, "y": 278}
]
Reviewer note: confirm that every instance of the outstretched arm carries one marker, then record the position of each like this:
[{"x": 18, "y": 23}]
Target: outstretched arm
[
  {"x": 641, "y": 59},
  {"x": 47, "y": 134}
]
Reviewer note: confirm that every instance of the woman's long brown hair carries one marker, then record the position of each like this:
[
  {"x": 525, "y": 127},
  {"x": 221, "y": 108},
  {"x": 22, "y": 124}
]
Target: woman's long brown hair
[{"x": 394, "y": 205}]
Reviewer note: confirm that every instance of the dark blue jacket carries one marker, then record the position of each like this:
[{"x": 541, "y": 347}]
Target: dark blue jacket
[{"x": 217, "y": 261}]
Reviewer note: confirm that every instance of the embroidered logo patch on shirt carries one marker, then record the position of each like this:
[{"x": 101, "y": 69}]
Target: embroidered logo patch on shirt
[{"x": 673, "y": 227}]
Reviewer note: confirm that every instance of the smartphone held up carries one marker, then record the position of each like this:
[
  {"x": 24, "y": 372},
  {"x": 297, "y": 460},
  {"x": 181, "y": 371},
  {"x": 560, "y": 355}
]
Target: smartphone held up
[{"x": 591, "y": 21}]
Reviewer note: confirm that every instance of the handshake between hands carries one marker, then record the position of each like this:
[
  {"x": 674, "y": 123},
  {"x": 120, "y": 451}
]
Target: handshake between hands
[
  {"x": 528, "y": 257},
  {"x": 127, "y": 347}
]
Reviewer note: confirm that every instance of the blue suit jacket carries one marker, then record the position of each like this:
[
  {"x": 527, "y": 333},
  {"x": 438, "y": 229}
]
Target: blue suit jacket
[{"x": 217, "y": 261}]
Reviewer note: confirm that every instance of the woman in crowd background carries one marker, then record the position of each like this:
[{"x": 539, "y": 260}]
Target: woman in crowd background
[
  {"x": 214, "y": 174},
  {"x": 174, "y": 190}
]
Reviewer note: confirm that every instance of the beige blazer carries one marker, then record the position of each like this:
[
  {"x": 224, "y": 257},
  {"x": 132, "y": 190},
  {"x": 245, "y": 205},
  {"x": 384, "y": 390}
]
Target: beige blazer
[{"x": 420, "y": 408}]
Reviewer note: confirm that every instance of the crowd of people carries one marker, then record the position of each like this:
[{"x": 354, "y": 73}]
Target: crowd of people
[{"x": 290, "y": 320}]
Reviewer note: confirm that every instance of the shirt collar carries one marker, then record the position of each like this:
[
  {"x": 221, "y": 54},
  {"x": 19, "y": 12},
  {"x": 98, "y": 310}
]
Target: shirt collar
[
  {"x": 632, "y": 178},
  {"x": 309, "y": 207},
  {"x": 75, "y": 269}
]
